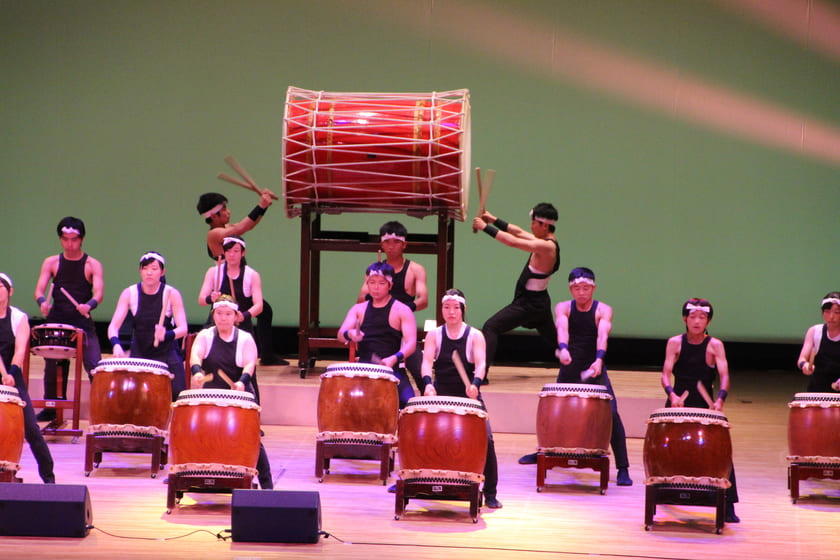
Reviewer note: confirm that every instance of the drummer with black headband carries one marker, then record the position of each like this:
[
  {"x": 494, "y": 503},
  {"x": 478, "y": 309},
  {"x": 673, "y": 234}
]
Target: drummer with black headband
[
  {"x": 77, "y": 288},
  {"x": 225, "y": 357},
  {"x": 159, "y": 320}
]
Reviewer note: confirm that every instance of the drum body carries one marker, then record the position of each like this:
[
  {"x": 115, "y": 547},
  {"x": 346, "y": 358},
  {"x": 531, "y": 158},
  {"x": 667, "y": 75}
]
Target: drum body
[
  {"x": 363, "y": 152},
  {"x": 574, "y": 418},
  {"x": 358, "y": 398},
  {"x": 214, "y": 429},
  {"x": 131, "y": 391},
  {"x": 442, "y": 437},
  {"x": 54, "y": 341},
  {"x": 11, "y": 428},
  {"x": 687, "y": 445},
  {"x": 814, "y": 428}
]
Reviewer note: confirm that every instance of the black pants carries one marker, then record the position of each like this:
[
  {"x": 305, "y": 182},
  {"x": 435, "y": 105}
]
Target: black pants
[
  {"x": 32, "y": 432},
  {"x": 532, "y": 311}
]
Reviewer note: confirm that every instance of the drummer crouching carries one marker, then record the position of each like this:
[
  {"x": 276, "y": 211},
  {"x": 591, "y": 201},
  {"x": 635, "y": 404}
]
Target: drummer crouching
[
  {"x": 455, "y": 336},
  {"x": 229, "y": 356}
]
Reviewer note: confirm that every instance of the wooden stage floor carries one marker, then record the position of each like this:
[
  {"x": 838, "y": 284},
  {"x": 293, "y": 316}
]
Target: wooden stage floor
[{"x": 568, "y": 519}]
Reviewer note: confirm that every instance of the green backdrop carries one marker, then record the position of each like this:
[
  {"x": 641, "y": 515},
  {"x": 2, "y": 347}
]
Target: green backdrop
[{"x": 691, "y": 148}]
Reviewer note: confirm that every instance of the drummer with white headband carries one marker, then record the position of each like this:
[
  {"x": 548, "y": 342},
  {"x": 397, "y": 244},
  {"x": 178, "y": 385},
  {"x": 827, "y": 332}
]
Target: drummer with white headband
[
  {"x": 440, "y": 344},
  {"x": 820, "y": 354},
  {"x": 159, "y": 319},
  {"x": 225, "y": 357}
]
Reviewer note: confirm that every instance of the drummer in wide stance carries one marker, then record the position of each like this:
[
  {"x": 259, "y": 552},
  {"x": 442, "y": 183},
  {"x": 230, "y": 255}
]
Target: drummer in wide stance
[
  {"x": 694, "y": 359},
  {"x": 14, "y": 339},
  {"x": 225, "y": 357},
  {"x": 457, "y": 336},
  {"x": 820, "y": 354},
  {"x": 159, "y": 320},
  {"x": 583, "y": 329},
  {"x": 383, "y": 327},
  {"x": 76, "y": 275}
]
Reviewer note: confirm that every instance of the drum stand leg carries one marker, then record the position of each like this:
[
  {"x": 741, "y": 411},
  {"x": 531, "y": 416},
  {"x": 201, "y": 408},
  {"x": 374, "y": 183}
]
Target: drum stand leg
[
  {"x": 598, "y": 463},
  {"x": 685, "y": 495}
]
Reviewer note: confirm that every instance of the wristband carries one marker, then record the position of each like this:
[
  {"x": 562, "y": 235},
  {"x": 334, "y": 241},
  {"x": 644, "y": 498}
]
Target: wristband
[
  {"x": 562, "y": 346},
  {"x": 669, "y": 390},
  {"x": 491, "y": 230},
  {"x": 400, "y": 357},
  {"x": 208, "y": 300},
  {"x": 256, "y": 213},
  {"x": 501, "y": 224},
  {"x": 476, "y": 382},
  {"x": 169, "y": 335},
  {"x": 802, "y": 364},
  {"x": 722, "y": 394},
  {"x": 14, "y": 370},
  {"x": 245, "y": 379},
  {"x": 195, "y": 368},
  {"x": 41, "y": 300},
  {"x": 345, "y": 337},
  {"x": 92, "y": 303},
  {"x": 427, "y": 379},
  {"x": 411, "y": 305},
  {"x": 600, "y": 354},
  {"x": 115, "y": 341},
  {"x": 246, "y": 315}
]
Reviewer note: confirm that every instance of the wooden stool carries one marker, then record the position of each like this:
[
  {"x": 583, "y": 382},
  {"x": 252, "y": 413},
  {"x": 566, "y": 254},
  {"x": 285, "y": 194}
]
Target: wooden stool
[
  {"x": 802, "y": 471},
  {"x": 211, "y": 483},
  {"x": 598, "y": 463},
  {"x": 96, "y": 444},
  {"x": 685, "y": 495},
  {"x": 326, "y": 450},
  {"x": 438, "y": 490}
]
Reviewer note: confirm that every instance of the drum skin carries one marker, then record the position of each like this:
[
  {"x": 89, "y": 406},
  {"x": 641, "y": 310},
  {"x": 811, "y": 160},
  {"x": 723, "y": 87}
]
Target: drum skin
[
  {"x": 376, "y": 151},
  {"x": 211, "y": 433},
  {"x": 358, "y": 403},
  {"x": 682, "y": 447},
  {"x": 566, "y": 419},
  {"x": 54, "y": 341},
  {"x": 814, "y": 425},
  {"x": 11, "y": 425},
  {"x": 141, "y": 398},
  {"x": 441, "y": 438}
]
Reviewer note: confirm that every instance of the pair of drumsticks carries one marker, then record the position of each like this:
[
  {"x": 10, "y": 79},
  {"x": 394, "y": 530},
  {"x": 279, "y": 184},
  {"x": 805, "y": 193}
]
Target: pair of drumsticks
[
  {"x": 483, "y": 190},
  {"x": 246, "y": 182},
  {"x": 222, "y": 375}
]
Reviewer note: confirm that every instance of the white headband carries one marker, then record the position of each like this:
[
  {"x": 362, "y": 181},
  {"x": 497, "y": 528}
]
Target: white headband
[
  {"x": 154, "y": 255},
  {"x": 392, "y": 236},
  {"x": 830, "y": 300},
  {"x": 582, "y": 280},
  {"x": 68, "y": 229},
  {"x": 691, "y": 307},
  {"x": 453, "y": 297},
  {"x": 225, "y": 303},
  {"x": 227, "y": 240},
  {"x": 387, "y": 277},
  {"x": 6, "y": 279},
  {"x": 541, "y": 219},
  {"x": 214, "y": 210}
]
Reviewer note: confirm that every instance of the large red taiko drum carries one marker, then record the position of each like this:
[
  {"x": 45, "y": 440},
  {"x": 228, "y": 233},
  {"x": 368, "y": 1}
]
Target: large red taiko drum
[
  {"x": 814, "y": 428},
  {"x": 363, "y": 152},
  {"x": 442, "y": 438},
  {"x": 11, "y": 432},
  {"x": 574, "y": 418},
  {"x": 687, "y": 446}
]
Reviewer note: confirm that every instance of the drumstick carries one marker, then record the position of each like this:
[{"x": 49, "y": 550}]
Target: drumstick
[
  {"x": 219, "y": 261},
  {"x": 683, "y": 397},
  {"x": 238, "y": 182},
  {"x": 225, "y": 378},
  {"x": 162, "y": 311},
  {"x": 459, "y": 365},
  {"x": 3, "y": 369},
  {"x": 485, "y": 192},
  {"x": 480, "y": 194},
  {"x": 704, "y": 393},
  {"x": 230, "y": 160},
  {"x": 73, "y": 301},
  {"x": 375, "y": 359}
]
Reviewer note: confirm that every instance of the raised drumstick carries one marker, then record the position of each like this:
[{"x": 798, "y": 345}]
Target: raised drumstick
[
  {"x": 219, "y": 261},
  {"x": 481, "y": 199},
  {"x": 73, "y": 301},
  {"x": 162, "y": 312},
  {"x": 238, "y": 182},
  {"x": 485, "y": 192},
  {"x": 230, "y": 160},
  {"x": 459, "y": 365}
]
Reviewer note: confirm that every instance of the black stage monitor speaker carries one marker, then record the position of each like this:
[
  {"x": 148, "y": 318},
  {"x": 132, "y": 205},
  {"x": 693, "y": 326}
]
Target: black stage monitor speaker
[
  {"x": 44, "y": 510},
  {"x": 275, "y": 516}
]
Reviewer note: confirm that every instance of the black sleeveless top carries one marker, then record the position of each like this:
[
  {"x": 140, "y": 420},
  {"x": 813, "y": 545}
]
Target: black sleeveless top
[
  {"x": 148, "y": 314},
  {"x": 380, "y": 337},
  {"x": 583, "y": 341},
  {"x": 527, "y": 274},
  {"x": 238, "y": 294},
  {"x": 448, "y": 382},
  {"x": 222, "y": 356},
  {"x": 690, "y": 368},
  {"x": 7, "y": 339},
  {"x": 826, "y": 365},
  {"x": 70, "y": 276},
  {"x": 398, "y": 289}
]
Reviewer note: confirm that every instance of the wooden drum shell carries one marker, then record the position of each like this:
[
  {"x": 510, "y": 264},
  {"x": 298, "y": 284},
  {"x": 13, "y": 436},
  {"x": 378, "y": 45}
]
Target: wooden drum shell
[
  {"x": 814, "y": 427},
  {"x": 691, "y": 444},
  {"x": 131, "y": 391},
  {"x": 11, "y": 426},
  {"x": 574, "y": 417},
  {"x": 358, "y": 398},
  {"x": 205, "y": 432},
  {"x": 442, "y": 437}
]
